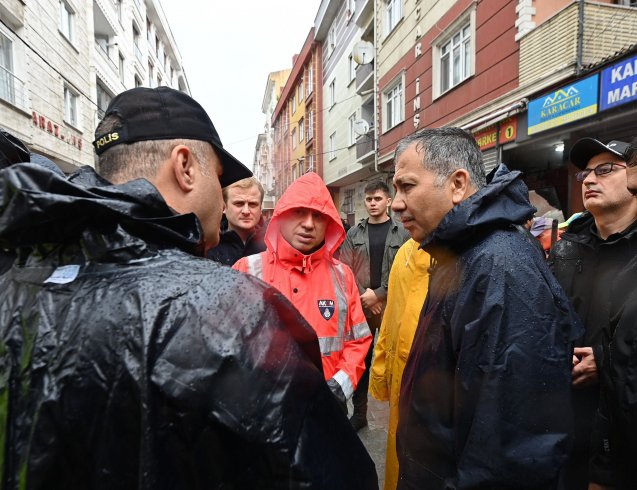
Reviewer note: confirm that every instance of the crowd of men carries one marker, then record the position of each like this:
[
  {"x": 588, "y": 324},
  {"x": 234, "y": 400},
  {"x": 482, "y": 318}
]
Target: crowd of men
[{"x": 143, "y": 347}]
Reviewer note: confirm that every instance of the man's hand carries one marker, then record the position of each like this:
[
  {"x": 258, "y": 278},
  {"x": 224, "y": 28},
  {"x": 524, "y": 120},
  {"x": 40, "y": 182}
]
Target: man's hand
[
  {"x": 585, "y": 370},
  {"x": 369, "y": 299}
]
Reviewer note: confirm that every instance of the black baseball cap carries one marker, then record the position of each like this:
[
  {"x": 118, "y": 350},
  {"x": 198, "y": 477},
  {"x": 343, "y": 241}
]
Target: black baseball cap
[
  {"x": 586, "y": 148},
  {"x": 163, "y": 113}
]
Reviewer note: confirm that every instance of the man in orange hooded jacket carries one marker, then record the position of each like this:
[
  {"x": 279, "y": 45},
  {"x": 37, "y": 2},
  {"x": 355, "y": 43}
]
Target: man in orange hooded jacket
[{"x": 303, "y": 234}]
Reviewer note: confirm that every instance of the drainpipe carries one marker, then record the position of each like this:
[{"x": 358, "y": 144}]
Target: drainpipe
[
  {"x": 375, "y": 88},
  {"x": 580, "y": 36}
]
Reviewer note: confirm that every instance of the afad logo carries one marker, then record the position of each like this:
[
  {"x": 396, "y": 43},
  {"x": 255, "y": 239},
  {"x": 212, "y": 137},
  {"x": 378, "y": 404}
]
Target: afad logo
[{"x": 326, "y": 307}]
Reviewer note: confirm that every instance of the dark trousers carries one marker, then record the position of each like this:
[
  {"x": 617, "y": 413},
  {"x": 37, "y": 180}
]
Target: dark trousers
[{"x": 359, "y": 399}]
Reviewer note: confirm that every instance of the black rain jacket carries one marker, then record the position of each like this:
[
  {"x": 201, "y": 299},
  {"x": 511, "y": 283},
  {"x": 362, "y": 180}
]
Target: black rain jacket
[
  {"x": 231, "y": 248},
  {"x": 485, "y": 398},
  {"x": 134, "y": 368}
]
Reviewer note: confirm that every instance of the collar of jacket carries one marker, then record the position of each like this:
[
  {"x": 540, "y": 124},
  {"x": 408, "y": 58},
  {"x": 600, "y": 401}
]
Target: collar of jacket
[
  {"x": 39, "y": 207},
  {"x": 583, "y": 231},
  {"x": 501, "y": 203},
  {"x": 291, "y": 258},
  {"x": 362, "y": 224}
]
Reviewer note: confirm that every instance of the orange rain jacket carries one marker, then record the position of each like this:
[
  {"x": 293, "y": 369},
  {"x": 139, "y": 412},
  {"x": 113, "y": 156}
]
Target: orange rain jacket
[{"x": 322, "y": 288}]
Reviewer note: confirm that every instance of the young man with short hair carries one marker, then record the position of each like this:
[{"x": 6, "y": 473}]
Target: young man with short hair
[
  {"x": 244, "y": 236},
  {"x": 369, "y": 249}
]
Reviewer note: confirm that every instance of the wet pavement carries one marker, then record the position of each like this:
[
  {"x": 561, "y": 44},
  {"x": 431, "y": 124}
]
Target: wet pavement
[{"x": 374, "y": 436}]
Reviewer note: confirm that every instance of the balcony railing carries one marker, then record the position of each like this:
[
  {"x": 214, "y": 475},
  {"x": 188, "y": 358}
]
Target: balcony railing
[
  {"x": 12, "y": 89},
  {"x": 364, "y": 77},
  {"x": 365, "y": 147}
]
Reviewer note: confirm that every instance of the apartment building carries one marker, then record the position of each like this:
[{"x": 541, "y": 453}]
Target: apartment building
[
  {"x": 297, "y": 137},
  {"x": 62, "y": 61}
]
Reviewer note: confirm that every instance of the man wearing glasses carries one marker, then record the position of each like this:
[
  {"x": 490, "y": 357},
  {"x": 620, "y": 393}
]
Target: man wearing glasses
[{"x": 586, "y": 261}]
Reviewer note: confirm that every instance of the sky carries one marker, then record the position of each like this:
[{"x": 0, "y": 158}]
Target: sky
[{"x": 228, "y": 49}]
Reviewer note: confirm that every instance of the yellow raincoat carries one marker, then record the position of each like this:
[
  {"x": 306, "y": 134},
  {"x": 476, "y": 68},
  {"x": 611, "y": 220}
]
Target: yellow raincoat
[{"x": 408, "y": 284}]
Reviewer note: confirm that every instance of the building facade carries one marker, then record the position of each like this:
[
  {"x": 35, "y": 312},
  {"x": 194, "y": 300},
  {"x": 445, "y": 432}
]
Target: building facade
[
  {"x": 62, "y": 61},
  {"x": 297, "y": 136}
]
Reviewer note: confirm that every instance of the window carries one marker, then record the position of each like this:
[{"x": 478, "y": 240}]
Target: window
[
  {"x": 331, "y": 41},
  {"x": 66, "y": 20},
  {"x": 138, "y": 81},
  {"x": 309, "y": 86},
  {"x": 157, "y": 46},
  {"x": 310, "y": 126},
  {"x": 138, "y": 53},
  {"x": 332, "y": 93},
  {"x": 118, "y": 7},
  {"x": 351, "y": 6},
  {"x": 121, "y": 67},
  {"x": 149, "y": 30},
  {"x": 301, "y": 130},
  {"x": 70, "y": 106},
  {"x": 150, "y": 75},
  {"x": 299, "y": 91},
  {"x": 393, "y": 105},
  {"x": 332, "y": 148},
  {"x": 7, "y": 78},
  {"x": 352, "y": 68},
  {"x": 352, "y": 134},
  {"x": 294, "y": 140},
  {"x": 159, "y": 79},
  {"x": 310, "y": 163},
  {"x": 393, "y": 14},
  {"x": 103, "y": 99},
  {"x": 455, "y": 59},
  {"x": 293, "y": 103}
]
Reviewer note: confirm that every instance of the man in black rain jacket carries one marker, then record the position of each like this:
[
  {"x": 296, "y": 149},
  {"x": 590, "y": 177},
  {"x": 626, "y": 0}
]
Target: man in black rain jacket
[
  {"x": 485, "y": 398},
  {"x": 125, "y": 362}
]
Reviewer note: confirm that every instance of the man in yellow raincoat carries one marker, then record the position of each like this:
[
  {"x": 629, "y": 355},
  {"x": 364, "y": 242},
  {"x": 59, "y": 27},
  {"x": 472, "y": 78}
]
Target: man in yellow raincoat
[{"x": 408, "y": 284}]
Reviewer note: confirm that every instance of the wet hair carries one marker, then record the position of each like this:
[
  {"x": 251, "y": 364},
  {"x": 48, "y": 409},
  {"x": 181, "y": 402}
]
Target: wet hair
[
  {"x": 377, "y": 185},
  {"x": 247, "y": 183},
  {"x": 445, "y": 150},
  {"x": 142, "y": 159}
]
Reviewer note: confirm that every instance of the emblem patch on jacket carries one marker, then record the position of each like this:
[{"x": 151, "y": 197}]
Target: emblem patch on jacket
[{"x": 326, "y": 307}]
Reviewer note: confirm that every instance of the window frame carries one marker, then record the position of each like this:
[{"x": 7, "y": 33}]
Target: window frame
[
  {"x": 332, "y": 146},
  {"x": 389, "y": 95},
  {"x": 65, "y": 7},
  {"x": 332, "y": 93},
  {"x": 352, "y": 135},
  {"x": 351, "y": 68},
  {"x": 467, "y": 22},
  {"x": 301, "y": 129},
  {"x": 71, "y": 106},
  {"x": 393, "y": 14}
]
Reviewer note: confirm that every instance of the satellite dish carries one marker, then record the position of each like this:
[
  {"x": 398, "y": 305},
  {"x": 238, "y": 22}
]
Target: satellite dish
[
  {"x": 363, "y": 52},
  {"x": 361, "y": 127}
]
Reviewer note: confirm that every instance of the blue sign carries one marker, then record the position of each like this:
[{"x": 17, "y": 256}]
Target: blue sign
[
  {"x": 565, "y": 105},
  {"x": 619, "y": 84}
]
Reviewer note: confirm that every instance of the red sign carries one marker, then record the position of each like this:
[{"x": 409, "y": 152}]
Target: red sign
[
  {"x": 55, "y": 129},
  {"x": 486, "y": 137}
]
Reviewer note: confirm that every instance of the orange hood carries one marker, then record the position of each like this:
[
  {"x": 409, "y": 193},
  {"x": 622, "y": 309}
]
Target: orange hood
[{"x": 308, "y": 191}]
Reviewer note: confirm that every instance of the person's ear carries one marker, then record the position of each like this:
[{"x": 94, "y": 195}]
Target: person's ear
[
  {"x": 183, "y": 167},
  {"x": 459, "y": 184}
]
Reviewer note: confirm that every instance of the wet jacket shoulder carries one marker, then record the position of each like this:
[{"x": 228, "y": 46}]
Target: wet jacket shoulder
[
  {"x": 121, "y": 371},
  {"x": 231, "y": 248},
  {"x": 485, "y": 399},
  {"x": 355, "y": 253}
]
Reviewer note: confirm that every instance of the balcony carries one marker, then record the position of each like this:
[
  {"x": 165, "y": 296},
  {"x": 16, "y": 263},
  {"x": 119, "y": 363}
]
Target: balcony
[
  {"x": 13, "y": 90},
  {"x": 550, "y": 49},
  {"x": 365, "y": 147},
  {"x": 364, "y": 77}
]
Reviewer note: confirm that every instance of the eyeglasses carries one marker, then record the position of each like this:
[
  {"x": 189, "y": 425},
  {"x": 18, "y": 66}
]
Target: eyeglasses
[{"x": 603, "y": 169}]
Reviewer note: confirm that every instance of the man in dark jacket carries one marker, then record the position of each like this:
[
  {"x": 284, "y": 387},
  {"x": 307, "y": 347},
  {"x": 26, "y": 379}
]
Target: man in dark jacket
[
  {"x": 245, "y": 233},
  {"x": 485, "y": 398},
  {"x": 593, "y": 250},
  {"x": 369, "y": 249},
  {"x": 125, "y": 361},
  {"x": 614, "y": 441}
]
